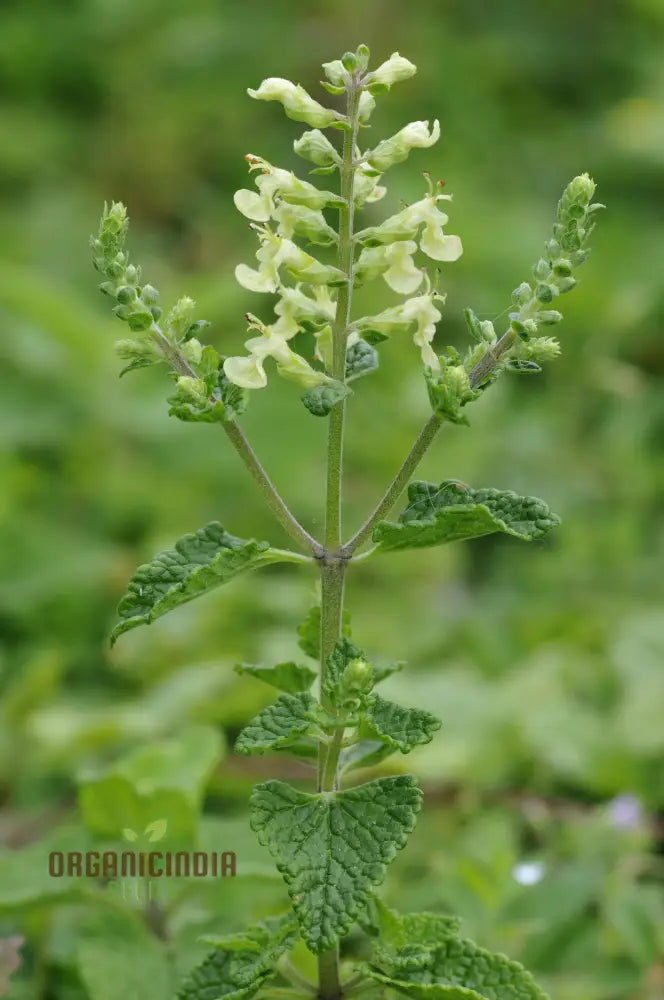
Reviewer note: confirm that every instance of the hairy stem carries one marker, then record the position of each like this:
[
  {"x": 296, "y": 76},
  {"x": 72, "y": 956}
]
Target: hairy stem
[
  {"x": 332, "y": 568},
  {"x": 238, "y": 438},
  {"x": 345, "y": 256},
  {"x": 398, "y": 484},
  {"x": 477, "y": 375},
  {"x": 282, "y": 513},
  {"x": 490, "y": 358}
]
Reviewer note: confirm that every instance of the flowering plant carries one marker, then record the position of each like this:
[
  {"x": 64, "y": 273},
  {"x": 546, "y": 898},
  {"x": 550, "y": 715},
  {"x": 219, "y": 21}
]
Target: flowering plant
[{"x": 332, "y": 845}]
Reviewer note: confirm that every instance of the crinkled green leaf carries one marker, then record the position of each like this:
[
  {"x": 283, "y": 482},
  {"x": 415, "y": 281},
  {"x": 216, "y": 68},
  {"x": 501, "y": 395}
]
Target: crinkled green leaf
[
  {"x": 242, "y": 963},
  {"x": 278, "y": 725},
  {"x": 449, "y": 391},
  {"x": 361, "y": 358},
  {"x": 198, "y": 563},
  {"x": 365, "y": 753},
  {"x": 333, "y": 846},
  {"x": 450, "y": 965},
  {"x": 291, "y": 677},
  {"x": 454, "y": 511},
  {"x": 138, "y": 363},
  {"x": 161, "y": 781},
  {"x": 227, "y": 400},
  {"x": 381, "y": 673},
  {"x": 323, "y": 398},
  {"x": 121, "y": 960},
  {"x": 344, "y": 652},
  {"x": 309, "y": 631},
  {"x": 394, "y": 931},
  {"x": 401, "y": 728}
]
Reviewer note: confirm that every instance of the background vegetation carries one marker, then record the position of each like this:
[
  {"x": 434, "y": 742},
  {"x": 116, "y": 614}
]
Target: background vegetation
[{"x": 544, "y": 661}]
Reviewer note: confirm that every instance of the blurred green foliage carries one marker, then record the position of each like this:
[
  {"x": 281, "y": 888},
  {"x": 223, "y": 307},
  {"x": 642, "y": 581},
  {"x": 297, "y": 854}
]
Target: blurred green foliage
[{"x": 544, "y": 661}]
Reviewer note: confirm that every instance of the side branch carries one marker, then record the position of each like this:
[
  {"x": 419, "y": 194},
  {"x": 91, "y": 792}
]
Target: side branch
[
  {"x": 282, "y": 513},
  {"x": 398, "y": 484},
  {"x": 477, "y": 375}
]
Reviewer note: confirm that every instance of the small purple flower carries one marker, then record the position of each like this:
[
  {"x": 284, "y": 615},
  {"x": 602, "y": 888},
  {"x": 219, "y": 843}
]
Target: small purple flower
[{"x": 626, "y": 811}]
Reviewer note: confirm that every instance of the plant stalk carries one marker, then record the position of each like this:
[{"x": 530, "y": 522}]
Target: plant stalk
[
  {"x": 282, "y": 513},
  {"x": 397, "y": 486},
  {"x": 476, "y": 376},
  {"x": 332, "y": 567}
]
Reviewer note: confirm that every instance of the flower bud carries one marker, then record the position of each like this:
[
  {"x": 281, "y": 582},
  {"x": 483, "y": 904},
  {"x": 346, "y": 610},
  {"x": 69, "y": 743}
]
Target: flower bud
[
  {"x": 545, "y": 292},
  {"x": 416, "y": 135},
  {"x": 548, "y": 317},
  {"x": 141, "y": 320},
  {"x": 132, "y": 274},
  {"x": 357, "y": 677},
  {"x": 335, "y": 73},
  {"x": 349, "y": 61},
  {"x": 125, "y": 294},
  {"x": 297, "y": 103},
  {"x": 367, "y": 104},
  {"x": 150, "y": 295},
  {"x": 562, "y": 268},
  {"x": 580, "y": 190},
  {"x": 449, "y": 390},
  {"x": 190, "y": 390},
  {"x": 317, "y": 148},
  {"x": 395, "y": 69},
  {"x": 363, "y": 56},
  {"x": 522, "y": 294},
  {"x": 193, "y": 351}
]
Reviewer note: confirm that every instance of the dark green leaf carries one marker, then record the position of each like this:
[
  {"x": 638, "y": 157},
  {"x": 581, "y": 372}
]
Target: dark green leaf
[
  {"x": 278, "y": 725},
  {"x": 309, "y": 631},
  {"x": 198, "y": 563},
  {"x": 452, "y": 968},
  {"x": 332, "y": 847},
  {"x": 453, "y": 511},
  {"x": 291, "y": 677},
  {"x": 401, "y": 728},
  {"x": 241, "y": 963}
]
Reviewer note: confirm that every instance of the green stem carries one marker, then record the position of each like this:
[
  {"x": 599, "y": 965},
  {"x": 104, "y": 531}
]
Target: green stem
[
  {"x": 490, "y": 358},
  {"x": 477, "y": 375},
  {"x": 237, "y": 437},
  {"x": 398, "y": 484},
  {"x": 332, "y": 568},
  {"x": 282, "y": 513},
  {"x": 345, "y": 259}
]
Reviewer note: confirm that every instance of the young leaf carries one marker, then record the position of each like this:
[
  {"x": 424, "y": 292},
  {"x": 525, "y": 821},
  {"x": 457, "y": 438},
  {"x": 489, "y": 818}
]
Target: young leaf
[
  {"x": 198, "y": 563},
  {"x": 227, "y": 401},
  {"x": 278, "y": 725},
  {"x": 453, "y": 511},
  {"x": 457, "y": 969},
  {"x": 332, "y": 847},
  {"x": 321, "y": 399},
  {"x": 401, "y": 728},
  {"x": 343, "y": 653},
  {"x": 290, "y": 677},
  {"x": 309, "y": 631},
  {"x": 397, "y": 930},
  {"x": 366, "y": 753},
  {"x": 241, "y": 963},
  {"x": 381, "y": 673},
  {"x": 361, "y": 358}
]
